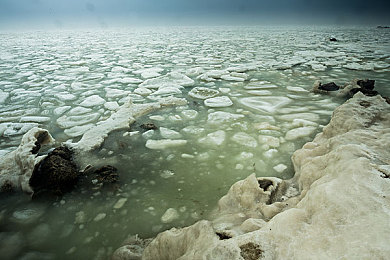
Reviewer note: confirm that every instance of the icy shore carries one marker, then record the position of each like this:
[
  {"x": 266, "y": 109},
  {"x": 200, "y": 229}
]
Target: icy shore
[{"x": 336, "y": 206}]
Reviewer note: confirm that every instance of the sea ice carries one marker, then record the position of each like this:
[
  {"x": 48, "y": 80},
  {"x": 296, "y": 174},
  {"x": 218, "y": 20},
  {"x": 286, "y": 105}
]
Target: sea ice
[
  {"x": 216, "y": 138},
  {"x": 170, "y": 215},
  {"x": 37, "y": 119},
  {"x": 300, "y": 132},
  {"x": 113, "y": 106},
  {"x": 93, "y": 101},
  {"x": 220, "y": 117},
  {"x": 173, "y": 78},
  {"x": 71, "y": 121},
  {"x": 169, "y": 134},
  {"x": 244, "y": 139},
  {"x": 142, "y": 91},
  {"x": 164, "y": 144},
  {"x": 223, "y": 101},
  {"x": 268, "y": 104},
  {"x": 202, "y": 92}
]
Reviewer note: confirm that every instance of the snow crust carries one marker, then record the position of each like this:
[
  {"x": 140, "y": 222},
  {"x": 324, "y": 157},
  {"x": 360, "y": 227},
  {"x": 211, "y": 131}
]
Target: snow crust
[{"x": 336, "y": 206}]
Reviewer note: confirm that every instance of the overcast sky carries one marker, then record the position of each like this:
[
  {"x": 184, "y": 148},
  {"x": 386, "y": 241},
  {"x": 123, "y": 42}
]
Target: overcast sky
[{"x": 105, "y": 13}]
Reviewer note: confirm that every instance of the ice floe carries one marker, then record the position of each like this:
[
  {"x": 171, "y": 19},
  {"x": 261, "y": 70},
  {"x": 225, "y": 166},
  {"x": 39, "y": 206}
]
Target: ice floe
[
  {"x": 203, "y": 93},
  {"x": 164, "y": 144},
  {"x": 222, "y": 101},
  {"x": 267, "y": 104},
  {"x": 92, "y": 101},
  {"x": 214, "y": 139}
]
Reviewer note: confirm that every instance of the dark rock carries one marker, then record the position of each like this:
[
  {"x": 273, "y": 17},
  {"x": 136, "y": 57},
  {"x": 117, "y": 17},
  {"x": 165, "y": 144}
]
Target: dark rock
[
  {"x": 223, "y": 235},
  {"x": 366, "y": 84},
  {"x": 333, "y": 39},
  {"x": 40, "y": 139},
  {"x": 365, "y": 104},
  {"x": 107, "y": 174},
  {"x": 329, "y": 87},
  {"x": 383, "y": 27},
  {"x": 251, "y": 251},
  {"x": 387, "y": 100},
  {"x": 56, "y": 174},
  {"x": 149, "y": 126},
  {"x": 366, "y": 92},
  {"x": 265, "y": 184}
]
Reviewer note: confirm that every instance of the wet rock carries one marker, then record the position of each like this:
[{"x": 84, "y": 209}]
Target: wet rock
[
  {"x": 329, "y": 87},
  {"x": 366, "y": 92},
  {"x": 332, "y": 39},
  {"x": 366, "y": 84},
  {"x": 107, "y": 174},
  {"x": 149, "y": 126},
  {"x": 56, "y": 174}
]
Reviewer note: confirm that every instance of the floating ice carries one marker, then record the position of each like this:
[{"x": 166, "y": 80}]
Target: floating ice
[
  {"x": 297, "y": 89},
  {"x": 142, "y": 91},
  {"x": 78, "y": 130},
  {"x": 244, "y": 139},
  {"x": 3, "y": 96},
  {"x": 65, "y": 96},
  {"x": 71, "y": 121},
  {"x": 37, "y": 119},
  {"x": 190, "y": 114},
  {"x": 194, "y": 130},
  {"x": 260, "y": 92},
  {"x": 268, "y": 104},
  {"x": 113, "y": 106},
  {"x": 300, "y": 132},
  {"x": 215, "y": 139},
  {"x": 280, "y": 168},
  {"x": 167, "y": 91},
  {"x": 221, "y": 117},
  {"x": 92, "y": 101},
  {"x": 218, "y": 102},
  {"x": 164, "y": 144},
  {"x": 78, "y": 111},
  {"x": 269, "y": 141},
  {"x": 170, "y": 215},
  {"x": 120, "y": 203},
  {"x": 169, "y": 134},
  {"x": 173, "y": 78},
  {"x": 202, "y": 92}
]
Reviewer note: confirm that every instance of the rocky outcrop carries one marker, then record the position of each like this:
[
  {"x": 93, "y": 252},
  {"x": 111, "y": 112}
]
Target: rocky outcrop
[
  {"x": 365, "y": 86},
  {"x": 17, "y": 166},
  {"x": 336, "y": 206}
]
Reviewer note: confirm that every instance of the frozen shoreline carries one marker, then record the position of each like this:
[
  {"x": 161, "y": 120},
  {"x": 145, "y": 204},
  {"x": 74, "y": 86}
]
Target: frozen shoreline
[{"x": 337, "y": 204}]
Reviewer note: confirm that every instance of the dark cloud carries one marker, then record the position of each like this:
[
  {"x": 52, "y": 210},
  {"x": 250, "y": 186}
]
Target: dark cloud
[{"x": 111, "y": 11}]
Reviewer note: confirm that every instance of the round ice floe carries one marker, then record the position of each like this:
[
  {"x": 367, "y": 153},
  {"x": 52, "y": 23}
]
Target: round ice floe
[
  {"x": 218, "y": 102},
  {"x": 169, "y": 134},
  {"x": 244, "y": 139},
  {"x": 164, "y": 144},
  {"x": 280, "y": 168},
  {"x": 142, "y": 91},
  {"x": 221, "y": 117},
  {"x": 170, "y": 215},
  {"x": 92, "y": 101},
  {"x": 215, "y": 138},
  {"x": 203, "y": 93},
  {"x": 268, "y": 104},
  {"x": 300, "y": 132},
  {"x": 190, "y": 114}
]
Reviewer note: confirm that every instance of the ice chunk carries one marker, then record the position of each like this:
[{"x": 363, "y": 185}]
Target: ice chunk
[
  {"x": 11, "y": 129},
  {"x": 3, "y": 96},
  {"x": 203, "y": 93},
  {"x": 244, "y": 139},
  {"x": 170, "y": 215},
  {"x": 79, "y": 111},
  {"x": 120, "y": 203},
  {"x": 223, "y": 101},
  {"x": 221, "y": 117},
  {"x": 115, "y": 93},
  {"x": 173, "y": 78},
  {"x": 65, "y": 96},
  {"x": 260, "y": 92},
  {"x": 300, "y": 132},
  {"x": 193, "y": 130},
  {"x": 167, "y": 91},
  {"x": 280, "y": 168},
  {"x": 78, "y": 130},
  {"x": 297, "y": 89},
  {"x": 37, "y": 119},
  {"x": 269, "y": 141},
  {"x": 190, "y": 114},
  {"x": 216, "y": 138},
  {"x": 60, "y": 110},
  {"x": 305, "y": 116},
  {"x": 148, "y": 134},
  {"x": 71, "y": 121},
  {"x": 111, "y": 105},
  {"x": 142, "y": 91},
  {"x": 268, "y": 104},
  {"x": 231, "y": 78},
  {"x": 169, "y": 134},
  {"x": 93, "y": 101},
  {"x": 129, "y": 80},
  {"x": 164, "y": 144}
]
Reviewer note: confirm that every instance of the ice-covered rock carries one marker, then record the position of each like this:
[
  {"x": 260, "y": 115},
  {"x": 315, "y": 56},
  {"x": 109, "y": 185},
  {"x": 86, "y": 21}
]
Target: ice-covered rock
[
  {"x": 164, "y": 144},
  {"x": 342, "y": 175},
  {"x": 222, "y": 101},
  {"x": 121, "y": 120},
  {"x": 17, "y": 166},
  {"x": 92, "y": 101},
  {"x": 203, "y": 93}
]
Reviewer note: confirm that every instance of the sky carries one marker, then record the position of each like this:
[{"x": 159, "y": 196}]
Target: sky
[{"x": 106, "y": 13}]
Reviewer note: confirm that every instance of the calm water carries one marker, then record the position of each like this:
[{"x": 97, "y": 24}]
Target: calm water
[{"x": 266, "y": 73}]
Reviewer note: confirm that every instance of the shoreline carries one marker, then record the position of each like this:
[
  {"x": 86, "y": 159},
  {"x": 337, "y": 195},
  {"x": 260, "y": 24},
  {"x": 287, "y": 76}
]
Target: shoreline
[{"x": 336, "y": 205}]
